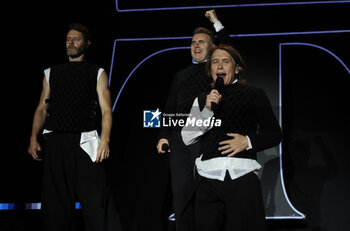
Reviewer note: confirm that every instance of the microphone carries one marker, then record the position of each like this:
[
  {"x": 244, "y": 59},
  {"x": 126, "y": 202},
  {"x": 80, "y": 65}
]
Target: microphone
[
  {"x": 165, "y": 147},
  {"x": 219, "y": 86}
]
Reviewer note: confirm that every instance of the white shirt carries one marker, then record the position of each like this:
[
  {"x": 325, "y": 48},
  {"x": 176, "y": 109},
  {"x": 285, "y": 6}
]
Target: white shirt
[{"x": 215, "y": 168}]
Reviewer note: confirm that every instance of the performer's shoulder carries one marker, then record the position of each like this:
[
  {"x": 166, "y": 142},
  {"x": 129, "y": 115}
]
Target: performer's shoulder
[
  {"x": 244, "y": 85},
  {"x": 257, "y": 91}
]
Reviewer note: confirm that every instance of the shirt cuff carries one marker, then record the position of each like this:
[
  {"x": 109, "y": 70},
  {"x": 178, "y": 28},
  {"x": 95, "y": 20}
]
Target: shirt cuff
[
  {"x": 206, "y": 113},
  {"x": 250, "y": 146},
  {"x": 218, "y": 26}
]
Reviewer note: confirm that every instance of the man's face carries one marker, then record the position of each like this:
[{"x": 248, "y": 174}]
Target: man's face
[
  {"x": 223, "y": 65},
  {"x": 75, "y": 44},
  {"x": 200, "y": 46}
]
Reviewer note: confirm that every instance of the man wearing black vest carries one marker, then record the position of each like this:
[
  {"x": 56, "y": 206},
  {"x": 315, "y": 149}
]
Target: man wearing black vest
[
  {"x": 187, "y": 84},
  {"x": 227, "y": 193},
  {"x": 75, "y": 103}
]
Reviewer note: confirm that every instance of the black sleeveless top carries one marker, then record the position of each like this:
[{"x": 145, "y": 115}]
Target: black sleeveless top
[{"x": 73, "y": 104}]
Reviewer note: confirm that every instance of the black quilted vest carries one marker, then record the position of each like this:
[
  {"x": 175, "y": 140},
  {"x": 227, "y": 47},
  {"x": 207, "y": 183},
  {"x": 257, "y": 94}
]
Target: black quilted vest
[
  {"x": 237, "y": 113},
  {"x": 73, "y": 104}
]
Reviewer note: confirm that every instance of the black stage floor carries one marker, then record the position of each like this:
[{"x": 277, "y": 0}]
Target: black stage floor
[{"x": 19, "y": 220}]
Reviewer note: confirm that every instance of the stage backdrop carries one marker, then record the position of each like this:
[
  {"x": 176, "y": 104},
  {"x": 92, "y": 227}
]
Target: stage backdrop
[
  {"x": 143, "y": 86},
  {"x": 297, "y": 51}
]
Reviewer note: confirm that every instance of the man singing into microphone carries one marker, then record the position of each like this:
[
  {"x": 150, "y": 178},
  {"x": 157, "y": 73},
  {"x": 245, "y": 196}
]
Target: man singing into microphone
[
  {"x": 186, "y": 85},
  {"x": 227, "y": 193}
]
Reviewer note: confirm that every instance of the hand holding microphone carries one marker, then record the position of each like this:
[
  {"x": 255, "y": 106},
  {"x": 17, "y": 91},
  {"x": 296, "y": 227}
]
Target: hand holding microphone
[
  {"x": 214, "y": 97},
  {"x": 163, "y": 146}
]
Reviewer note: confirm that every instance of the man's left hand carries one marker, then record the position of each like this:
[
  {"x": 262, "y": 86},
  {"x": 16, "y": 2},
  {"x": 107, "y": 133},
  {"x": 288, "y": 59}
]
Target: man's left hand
[
  {"x": 235, "y": 145},
  {"x": 102, "y": 151}
]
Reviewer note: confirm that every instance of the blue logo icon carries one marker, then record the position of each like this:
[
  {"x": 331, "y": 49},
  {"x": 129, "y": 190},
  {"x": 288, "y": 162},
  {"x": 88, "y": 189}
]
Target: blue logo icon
[{"x": 151, "y": 118}]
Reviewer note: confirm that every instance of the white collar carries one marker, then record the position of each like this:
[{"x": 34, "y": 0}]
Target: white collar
[{"x": 195, "y": 62}]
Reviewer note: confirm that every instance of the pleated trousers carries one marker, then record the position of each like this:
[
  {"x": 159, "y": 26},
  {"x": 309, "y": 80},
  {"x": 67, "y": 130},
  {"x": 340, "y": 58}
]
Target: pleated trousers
[
  {"x": 229, "y": 205},
  {"x": 69, "y": 177}
]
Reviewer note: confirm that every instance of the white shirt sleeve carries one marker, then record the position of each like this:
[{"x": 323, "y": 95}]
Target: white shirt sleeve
[
  {"x": 99, "y": 73},
  {"x": 191, "y": 132},
  {"x": 250, "y": 146},
  {"x": 47, "y": 75},
  {"x": 218, "y": 26}
]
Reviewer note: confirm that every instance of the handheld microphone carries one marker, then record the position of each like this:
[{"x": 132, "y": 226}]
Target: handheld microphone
[
  {"x": 219, "y": 86},
  {"x": 165, "y": 147}
]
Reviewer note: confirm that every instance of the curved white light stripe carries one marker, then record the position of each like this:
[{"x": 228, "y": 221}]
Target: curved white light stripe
[
  {"x": 280, "y": 103},
  {"x": 138, "y": 65},
  {"x": 230, "y": 6},
  {"x": 318, "y": 47}
]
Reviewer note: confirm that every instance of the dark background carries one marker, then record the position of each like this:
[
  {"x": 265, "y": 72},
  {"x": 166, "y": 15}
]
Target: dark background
[{"x": 315, "y": 99}]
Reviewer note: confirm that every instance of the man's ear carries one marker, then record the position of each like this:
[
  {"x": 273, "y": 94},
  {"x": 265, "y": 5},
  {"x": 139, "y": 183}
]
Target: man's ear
[{"x": 238, "y": 69}]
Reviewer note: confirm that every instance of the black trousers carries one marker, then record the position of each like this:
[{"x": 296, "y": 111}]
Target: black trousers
[
  {"x": 71, "y": 176},
  {"x": 229, "y": 205},
  {"x": 182, "y": 163}
]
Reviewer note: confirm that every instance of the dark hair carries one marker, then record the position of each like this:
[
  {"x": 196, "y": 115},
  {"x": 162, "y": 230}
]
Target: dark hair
[
  {"x": 233, "y": 53},
  {"x": 203, "y": 30},
  {"x": 82, "y": 29}
]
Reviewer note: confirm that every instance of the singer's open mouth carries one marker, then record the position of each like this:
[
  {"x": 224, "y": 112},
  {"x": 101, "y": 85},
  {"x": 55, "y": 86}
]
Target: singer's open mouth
[
  {"x": 221, "y": 75},
  {"x": 197, "y": 51}
]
